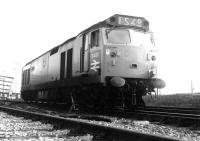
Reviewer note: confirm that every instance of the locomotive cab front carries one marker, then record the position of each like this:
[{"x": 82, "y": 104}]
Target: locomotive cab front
[
  {"x": 123, "y": 55},
  {"x": 129, "y": 53},
  {"x": 129, "y": 58}
]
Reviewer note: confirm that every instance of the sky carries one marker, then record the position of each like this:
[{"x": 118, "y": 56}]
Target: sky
[{"x": 28, "y": 28}]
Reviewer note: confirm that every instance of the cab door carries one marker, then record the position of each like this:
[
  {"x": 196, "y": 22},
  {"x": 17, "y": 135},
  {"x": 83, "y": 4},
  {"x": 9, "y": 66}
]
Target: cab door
[
  {"x": 95, "y": 53},
  {"x": 62, "y": 65},
  {"x": 87, "y": 53},
  {"x": 84, "y": 54},
  {"x": 69, "y": 62}
]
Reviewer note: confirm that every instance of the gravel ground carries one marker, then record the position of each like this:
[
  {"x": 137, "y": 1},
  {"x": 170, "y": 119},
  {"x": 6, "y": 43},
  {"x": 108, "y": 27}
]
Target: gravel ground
[
  {"x": 182, "y": 133},
  {"x": 18, "y": 128},
  {"x": 157, "y": 129},
  {"x": 187, "y": 134}
]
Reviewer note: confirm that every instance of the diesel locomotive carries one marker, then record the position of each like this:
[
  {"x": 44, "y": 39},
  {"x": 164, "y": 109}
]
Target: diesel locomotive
[{"x": 110, "y": 64}]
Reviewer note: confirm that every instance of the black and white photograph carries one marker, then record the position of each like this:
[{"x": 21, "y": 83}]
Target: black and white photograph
[{"x": 99, "y": 70}]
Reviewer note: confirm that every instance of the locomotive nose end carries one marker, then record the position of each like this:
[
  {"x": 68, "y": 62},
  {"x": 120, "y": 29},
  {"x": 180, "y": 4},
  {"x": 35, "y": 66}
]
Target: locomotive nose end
[
  {"x": 117, "y": 81},
  {"x": 158, "y": 83}
]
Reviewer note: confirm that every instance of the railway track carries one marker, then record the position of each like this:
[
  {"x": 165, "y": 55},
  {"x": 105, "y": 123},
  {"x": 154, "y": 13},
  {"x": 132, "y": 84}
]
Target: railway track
[
  {"x": 167, "y": 115},
  {"x": 181, "y": 116},
  {"x": 170, "y": 115},
  {"x": 183, "y": 110},
  {"x": 184, "y": 117},
  {"x": 118, "y": 133}
]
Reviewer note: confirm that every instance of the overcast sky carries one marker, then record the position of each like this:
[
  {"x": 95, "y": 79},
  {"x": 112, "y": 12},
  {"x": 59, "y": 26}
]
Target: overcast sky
[{"x": 29, "y": 28}]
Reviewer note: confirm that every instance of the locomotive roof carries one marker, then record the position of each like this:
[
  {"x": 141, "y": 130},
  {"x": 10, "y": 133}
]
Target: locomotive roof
[
  {"x": 67, "y": 41},
  {"x": 118, "y": 20}
]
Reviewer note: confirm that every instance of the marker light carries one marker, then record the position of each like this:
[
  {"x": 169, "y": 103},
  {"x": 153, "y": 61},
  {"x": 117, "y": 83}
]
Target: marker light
[
  {"x": 113, "y": 62},
  {"x": 153, "y": 58},
  {"x": 113, "y": 54},
  {"x": 153, "y": 72}
]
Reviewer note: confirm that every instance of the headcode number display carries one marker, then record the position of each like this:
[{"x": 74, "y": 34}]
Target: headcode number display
[{"x": 130, "y": 21}]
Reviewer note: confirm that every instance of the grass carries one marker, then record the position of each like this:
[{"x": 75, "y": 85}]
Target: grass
[{"x": 178, "y": 100}]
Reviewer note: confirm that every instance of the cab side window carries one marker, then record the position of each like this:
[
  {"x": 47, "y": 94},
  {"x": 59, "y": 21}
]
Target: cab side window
[{"x": 95, "y": 38}]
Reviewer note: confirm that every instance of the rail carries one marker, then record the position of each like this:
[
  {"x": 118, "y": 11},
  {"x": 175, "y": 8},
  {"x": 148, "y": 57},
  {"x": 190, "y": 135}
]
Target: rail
[{"x": 170, "y": 115}]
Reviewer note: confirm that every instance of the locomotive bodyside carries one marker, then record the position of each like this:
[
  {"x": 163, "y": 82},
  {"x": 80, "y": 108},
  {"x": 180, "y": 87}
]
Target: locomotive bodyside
[{"x": 42, "y": 76}]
